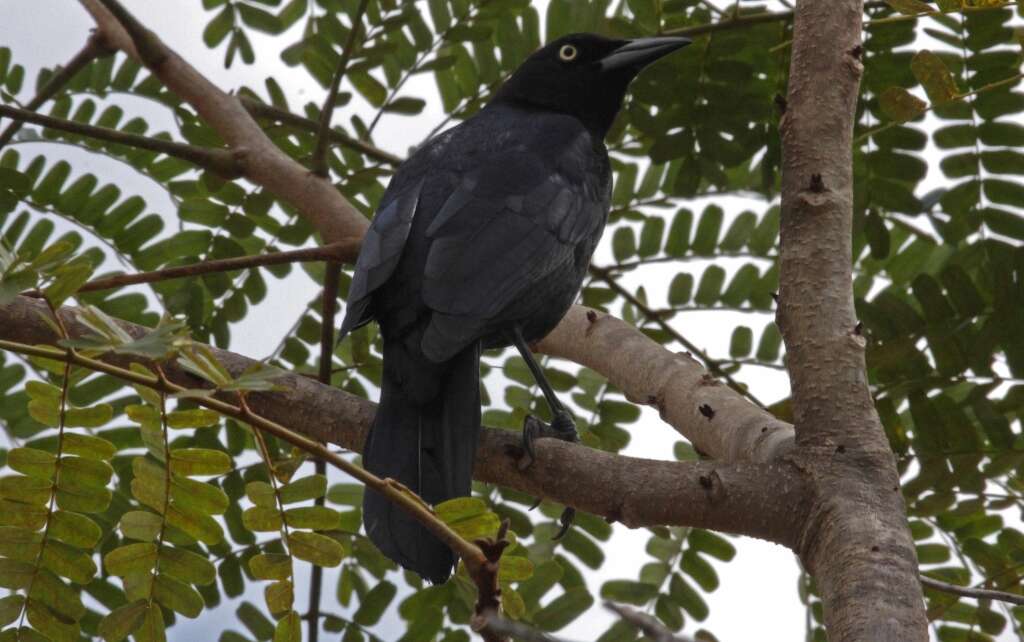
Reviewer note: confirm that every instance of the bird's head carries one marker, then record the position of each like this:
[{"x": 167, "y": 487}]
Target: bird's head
[{"x": 584, "y": 75}]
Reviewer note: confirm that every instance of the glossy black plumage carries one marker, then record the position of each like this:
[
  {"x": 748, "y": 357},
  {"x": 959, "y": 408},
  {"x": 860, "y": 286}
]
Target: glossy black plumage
[{"x": 487, "y": 228}]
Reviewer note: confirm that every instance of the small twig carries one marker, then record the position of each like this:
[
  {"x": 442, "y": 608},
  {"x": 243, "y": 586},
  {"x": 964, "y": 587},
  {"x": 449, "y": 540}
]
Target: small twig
[
  {"x": 967, "y": 591},
  {"x": 95, "y": 47},
  {"x": 647, "y": 624},
  {"x": 748, "y": 20},
  {"x": 343, "y": 251},
  {"x": 219, "y": 161},
  {"x": 319, "y": 160},
  {"x": 519, "y": 631},
  {"x": 262, "y": 110},
  {"x": 711, "y": 364},
  {"x": 152, "y": 52},
  {"x": 330, "y": 299}
]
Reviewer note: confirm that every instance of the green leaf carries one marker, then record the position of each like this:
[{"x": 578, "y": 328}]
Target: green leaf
[
  {"x": 130, "y": 559},
  {"x": 623, "y": 244},
  {"x": 186, "y": 566},
  {"x": 627, "y": 591},
  {"x": 262, "y": 519},
  {"x": 700, "y": 570},
  {"x": 933, "y": 75},
  {"x": 374, "y": 603},
  {"x": 315, "y": 548},
  {"x": 514, "y": 569},
  {"x": 68, "y": 562},
  {"x": 15, "y": 574},
  {"x": 29, "y": 490},
  {"x": 152, "y": 628},
  {"x": 141, "y": 525},
  {"x": 909, "y": 7},
  {"x": 193, "y": 418},
  {"x": 177, "y": 596},
  {"x": 199, "y": 461},
  {"x": 318, "y": 518},
  {"x": 899, "y": 105},
  {"x": 712, "y": 544},
  {"x": 122, "y": 621},
  {"x": 262, "y": 494},
  {"x": 32, "y": 462},
  {"x": 280, "y": 596},
  {"x": 563, "y": 609},
  {"x": 306, "y": 488},
  {"x": 741, "y": 343},
  {"x": 271, "y": 566},
  {"x": 681, "y": 288},
  {"x": 10, "y": 608},
  {"x": 88, "y": 445},
  {"x": 219, "y": 27},
  {"x": 289, "y": 628}
]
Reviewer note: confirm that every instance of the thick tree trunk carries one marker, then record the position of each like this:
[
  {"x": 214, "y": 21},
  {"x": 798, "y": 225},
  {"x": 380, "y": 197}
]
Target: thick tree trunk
[{"x": 856, "y": 542}]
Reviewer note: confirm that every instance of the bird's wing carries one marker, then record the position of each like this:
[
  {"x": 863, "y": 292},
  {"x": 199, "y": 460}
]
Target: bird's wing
[{"x": 512, "y": 220}]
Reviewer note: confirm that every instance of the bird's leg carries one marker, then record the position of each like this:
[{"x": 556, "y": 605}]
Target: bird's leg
[{"x": 562, "y": 425}]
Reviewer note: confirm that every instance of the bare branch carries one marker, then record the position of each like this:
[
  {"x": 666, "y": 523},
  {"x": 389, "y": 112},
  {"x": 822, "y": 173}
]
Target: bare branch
[
  {"x": 344, "y": 251},
  {"x": 683, "y": 392},
  {"x": 647, "y": 624},
  {"x": 968, "y": 591},
  {"x": 319, "y": 160},
  {"x": 262, "y": 110},
  {"x": 330, "y": 299},
  {"x": 719, "y": 496},
  {"x": 651, "y": 315},
  {"x": 94, "y": 48},
  {"x": 314, "y": 197},
  {"x": 857, "y": 544},
  {"x": 219, "y": 161},
  {"x": 517, "y": 630}
]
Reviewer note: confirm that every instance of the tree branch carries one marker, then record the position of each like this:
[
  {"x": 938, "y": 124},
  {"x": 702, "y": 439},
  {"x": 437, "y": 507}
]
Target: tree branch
[
  {"x": 330, "y": 298},
  {"x": 262, "y": 110},
  {"x": 342, "y": 251},
  {"x": 314, "y": 197},
  {"x": 219, "y": 161},
  {"x": 968, "y": 591},
  {"x": 683, "y": 392},
  {"x": 319, "y": 160},
  {"x": 647, "y": 624},
  {"x": 94, "y": 48},
  {"x": 635, "y": 491},
  {"x": 651, "y": 315},
  {"x": 856, "y": 543}
]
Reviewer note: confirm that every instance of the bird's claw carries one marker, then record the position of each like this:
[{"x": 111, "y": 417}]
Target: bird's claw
[
  {"x": 561, "y": 427},
  {"x": 566, "y": 520}
]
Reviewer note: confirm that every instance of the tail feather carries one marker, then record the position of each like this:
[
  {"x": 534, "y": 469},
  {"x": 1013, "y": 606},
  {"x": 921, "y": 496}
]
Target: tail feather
[{"x": 424, "y": 435}]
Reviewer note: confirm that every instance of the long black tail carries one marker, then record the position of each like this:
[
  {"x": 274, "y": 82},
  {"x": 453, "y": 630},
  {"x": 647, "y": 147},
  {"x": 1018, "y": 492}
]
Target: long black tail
[{"x": 424, "y": 435}]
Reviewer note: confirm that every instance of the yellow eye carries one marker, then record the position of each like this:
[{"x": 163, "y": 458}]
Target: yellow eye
[{"x": 567, "y": 53}]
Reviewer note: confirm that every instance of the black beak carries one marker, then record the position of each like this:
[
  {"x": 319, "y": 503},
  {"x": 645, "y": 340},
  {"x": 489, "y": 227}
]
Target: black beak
[{"x": 637, "y": 54}]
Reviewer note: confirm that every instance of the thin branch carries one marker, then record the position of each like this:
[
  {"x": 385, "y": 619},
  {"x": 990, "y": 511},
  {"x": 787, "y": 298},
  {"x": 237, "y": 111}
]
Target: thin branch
[
  {"x": 330, "y": 299},
  {"x": 344, "y": 251},
  {"x": 313, "y": 197},
  {"x": 94, "y": 48},
  {"x": 407, "y": 500},
  {"x": 647, "y": 624},
  {"x": 517, "y": 630},
  {"x": 262, "y": 110},
  {"x": 725, "y": 496},
  {"x": 219, "y": 161},
  {"x": 742, "y": 21},
  {"x": 967, "y": 591},
  {"x": 710, "y": 363},
  {"x": 319, "y": 160}
]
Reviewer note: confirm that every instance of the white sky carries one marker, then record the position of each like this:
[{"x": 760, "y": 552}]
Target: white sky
[{"x": 757, "y": 598}]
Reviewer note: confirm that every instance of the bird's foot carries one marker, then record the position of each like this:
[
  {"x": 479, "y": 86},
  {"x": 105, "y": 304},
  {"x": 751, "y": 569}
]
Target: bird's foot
[{"x": 561, "y": 427}]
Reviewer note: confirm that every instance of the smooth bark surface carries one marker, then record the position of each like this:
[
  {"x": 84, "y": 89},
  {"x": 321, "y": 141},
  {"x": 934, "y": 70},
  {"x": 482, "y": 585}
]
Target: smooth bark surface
[
  {"x": 637, "y": 492},
  {"x": 856, "y": 542}
]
